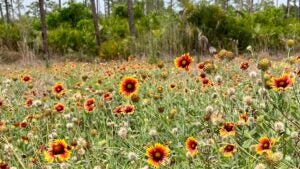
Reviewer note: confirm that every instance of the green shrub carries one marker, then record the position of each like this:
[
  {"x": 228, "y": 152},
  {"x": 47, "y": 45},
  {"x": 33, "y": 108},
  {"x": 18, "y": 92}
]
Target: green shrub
[
  {"x": 9, "y": 36},
  {"x": 65, "y": 39},
  {"x": 114, "y": 49}
]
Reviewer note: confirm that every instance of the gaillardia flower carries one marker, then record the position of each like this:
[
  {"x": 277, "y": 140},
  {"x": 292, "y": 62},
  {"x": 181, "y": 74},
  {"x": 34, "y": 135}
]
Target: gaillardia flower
[
  {"x": 184, "y": 62},
  {"x": 157, "y": 155},
  {"x": 26, "y": 78},
  {"x": 124, "y": 109},
  {"x": 282, "y": 83},
  {"x": 58, "y": 89},
  {"x": 265, "y": 145},
  {"x": 129, "y": 86},
  {"x": 227, "y": 129},
  {"x": 243, "y": 119},
  {"x": 89, "y": 105},
  {"x": 58, "y": 149},
  {"x": 59, "y": 107},
  {"x": 191, "y": 146},
  {"x": 228, "y": 150}
]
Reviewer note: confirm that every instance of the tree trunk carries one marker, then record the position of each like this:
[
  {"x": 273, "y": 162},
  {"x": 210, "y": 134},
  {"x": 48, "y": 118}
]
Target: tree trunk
[
  {"x": 97, "y": 7},
  {"x": 241, "y": 5},
  {"x": 7, "y": 11},
  {"x": 1, "y": 12},
  {"x": 12, "y": 9},
  {"x": 287, "y": 9},
  {"x": 96, "y": 24},
  {"x": 19, "y": 8},
  {"x": 107, "y": 7},
  {"x": 59, "y": 4},
  {"x": 131, "y": 18},
  {"x": 299, "y": 9},
  {"x": 44, "y": 31},
  {"x": 250, "y": 6}
]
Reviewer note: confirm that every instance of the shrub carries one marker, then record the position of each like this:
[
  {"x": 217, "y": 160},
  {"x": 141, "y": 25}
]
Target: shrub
[
  {"x": 64, "y": 39},
  {"x": 114, "y": 49},
  {"x": 9, "y": 36}
]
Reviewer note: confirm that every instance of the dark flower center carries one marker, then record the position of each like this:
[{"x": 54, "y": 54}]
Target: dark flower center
[
  {"x": 282, "y": 84},
  {"x": 58, "y": 149},
  {"x": 193, "y": 145},
  {"x": 184, "y": 63},
  {"x": 89, "y": 102},
  {"x": 205, "y": 81},
  {"x": 59, "y": 108},
  {"x": 157, "y": 156},
  {"x": 26, "y": 78},
  {"x": 228, "y": 127},
  {"x": 265, "y": 146},
  {"x": 129, "y": 86},
  {"x": 58, "y": 89},
  {"x": 128, "y": 109},
  {"x": 229, "y": 148}
]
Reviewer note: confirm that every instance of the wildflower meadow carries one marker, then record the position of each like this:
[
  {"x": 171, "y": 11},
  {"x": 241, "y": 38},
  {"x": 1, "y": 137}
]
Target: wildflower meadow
[{"x": 221, "y": 112}]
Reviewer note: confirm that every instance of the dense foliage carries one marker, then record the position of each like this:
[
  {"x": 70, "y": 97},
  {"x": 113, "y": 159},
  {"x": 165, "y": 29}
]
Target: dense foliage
[{"x": 160, "y": 33}]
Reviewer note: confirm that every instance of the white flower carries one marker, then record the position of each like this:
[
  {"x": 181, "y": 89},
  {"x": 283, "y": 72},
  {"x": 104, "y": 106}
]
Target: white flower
[
  {"x": 253, "y": 74},
  {"x": 97, "y": 167},
  {"x": 67, "y": 116},
  {"x": 174, "y": 131},
  {"x": 260, "y": 166},
  {"x": 74, "y": 119},
  {"x": 279, "y": 127},
  {"x": 248, "y": 100},
  {"x": 262, "y": 91},
  {"x": 231, "y": 91},
  {"x": 218, "y": 78},
  {"x": 278, "y": 156},
  {"x": 81, "y": 142},
  {"x": 209, "y": 109},
  {"x": 8, "y": 148},
  {"x": 36, "y": 103},
  {"x": 132, "y": 156},
  {"x": 294, "y": 135},
  {"x": 123, "y": 132},
  {"x": 81, "y": 151},
  {"x": 70, "y": 125},
  {"x": 64, "y": 165},
  {"x": 54, "y": 135},
  {"x": 153, "y": 132}
]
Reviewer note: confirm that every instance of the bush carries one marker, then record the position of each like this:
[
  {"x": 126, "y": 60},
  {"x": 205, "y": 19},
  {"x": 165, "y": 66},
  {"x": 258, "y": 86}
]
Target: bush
[
  {"x": 64, "y": 39},
  {"x": 9, "y": 36},
  {"x": 114, "y": 49},
  {"x": 72, "y": 14}
]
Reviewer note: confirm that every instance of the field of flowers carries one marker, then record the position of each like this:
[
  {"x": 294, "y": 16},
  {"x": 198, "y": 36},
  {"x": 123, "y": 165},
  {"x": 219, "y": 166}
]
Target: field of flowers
[{"x": 223, "y": 112}]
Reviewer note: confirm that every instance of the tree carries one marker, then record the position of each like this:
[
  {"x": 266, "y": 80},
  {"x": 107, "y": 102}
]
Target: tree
[
  {"x": 7, "y": 11},
  {"x": 19, "y": 6},
  {"x": 131, "y": 18},
  {"x": 59, "y": 4},
  {"x": 12, "y": 9},
  {"x": 299, "y": 9},
  {"x": 1, "y": 12},
  {"x": 287, "y": 9},
  {"x": 107, "y": 6},
  {"x": 44, "y": 31},
  {"x": 96, "y": 24}
]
